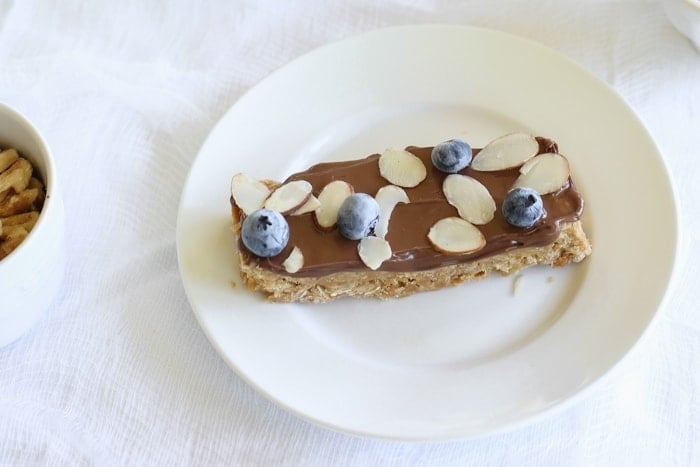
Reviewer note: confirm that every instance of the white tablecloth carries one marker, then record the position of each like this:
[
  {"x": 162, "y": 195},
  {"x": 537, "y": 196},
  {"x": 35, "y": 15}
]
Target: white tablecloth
[{"x": 118, "y": 370}]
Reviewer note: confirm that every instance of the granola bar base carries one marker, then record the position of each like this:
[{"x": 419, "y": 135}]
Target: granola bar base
[{"x": 571, "y": 246}]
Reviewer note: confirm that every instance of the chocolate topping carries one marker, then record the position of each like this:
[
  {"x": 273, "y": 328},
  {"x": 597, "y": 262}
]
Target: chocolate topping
[{"x": 329, "y": 252}]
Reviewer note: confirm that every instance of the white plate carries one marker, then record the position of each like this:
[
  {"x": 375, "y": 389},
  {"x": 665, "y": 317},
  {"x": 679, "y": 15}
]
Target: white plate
[{"x": 459, "y": 362}]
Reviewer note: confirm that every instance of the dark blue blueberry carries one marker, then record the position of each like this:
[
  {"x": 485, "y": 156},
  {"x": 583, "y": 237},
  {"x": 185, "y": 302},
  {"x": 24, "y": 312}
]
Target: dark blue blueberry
[
  {"x": 357, "y": 216},
  {"x": 265, "y": 232},
  {"x": 451, "y": 156},
  {"x": 522, "y": 207}
]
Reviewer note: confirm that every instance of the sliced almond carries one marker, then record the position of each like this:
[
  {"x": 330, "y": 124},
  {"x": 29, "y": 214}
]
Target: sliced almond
[
  {"x": 330, "y": 199},
  {"x": 387, "y": 197},
  {"x": 294, "y": 261},
  {"x": 545, "y": 173},
  {"x": 289, "y": 197},
  {"x": 402, "y": 168},
  {"x": 506, "y": 152},
  {"x": 374, "y": 251},
  {"x": 248, "y": 194},
  {"x": 454, "y": 236},
  {"x": 310, "y": 205},
  {"x": 473, "y": 201}
]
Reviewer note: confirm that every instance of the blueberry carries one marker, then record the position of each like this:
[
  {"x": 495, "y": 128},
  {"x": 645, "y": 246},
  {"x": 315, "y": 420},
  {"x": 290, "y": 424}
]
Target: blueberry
[
  {"x": 451, "y": 156},
  {"x": 265, "y": 232},
  {"x": 357, "y": 216},
  {"x": 522, "y": 207}
]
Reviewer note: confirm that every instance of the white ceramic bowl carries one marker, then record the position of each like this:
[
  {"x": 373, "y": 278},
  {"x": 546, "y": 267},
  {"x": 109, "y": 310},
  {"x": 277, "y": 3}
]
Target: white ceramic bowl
[
  {"x": 685, "y": 16},
  {"x": 31, "y": 275}
]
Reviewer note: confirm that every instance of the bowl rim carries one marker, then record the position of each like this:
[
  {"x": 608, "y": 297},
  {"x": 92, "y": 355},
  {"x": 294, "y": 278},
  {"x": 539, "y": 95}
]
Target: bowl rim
[{"x": 49, "y": 170}]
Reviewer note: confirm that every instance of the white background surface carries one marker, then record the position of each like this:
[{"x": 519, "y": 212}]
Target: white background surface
[{"x": 119, "y": 372}]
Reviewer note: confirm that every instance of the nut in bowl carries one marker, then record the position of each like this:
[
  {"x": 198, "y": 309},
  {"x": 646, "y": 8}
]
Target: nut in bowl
[{"x": 31, "y": 226}]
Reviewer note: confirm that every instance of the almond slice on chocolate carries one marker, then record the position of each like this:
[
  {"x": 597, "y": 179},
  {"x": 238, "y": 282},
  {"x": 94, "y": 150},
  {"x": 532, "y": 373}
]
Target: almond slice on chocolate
[
  {"x": 455, "y": 236},
  {"x": 473, "y": 201},
  {"x": 294, "y": 261},
  {"x": 331, "y": 197},
  {"x": 402, "y": 168},
  {"x": 545, "y": 173},
  {"x": 506, "y": 152},
  {"x": 374, "y": 251},
  {"x": 311, "y": 205},
  {"x": 387, "y": 197},
  {"x": 248, "y": 194},
  {"x": 289, "y": 197}
]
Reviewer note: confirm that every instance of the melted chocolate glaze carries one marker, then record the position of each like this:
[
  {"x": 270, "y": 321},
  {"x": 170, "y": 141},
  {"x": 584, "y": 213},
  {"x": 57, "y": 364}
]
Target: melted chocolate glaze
[{"x": 329, "y": 252}]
